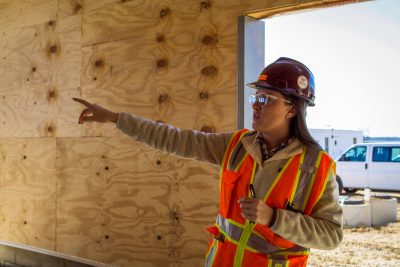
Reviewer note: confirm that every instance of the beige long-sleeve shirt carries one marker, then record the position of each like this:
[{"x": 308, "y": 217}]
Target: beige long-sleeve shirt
[{"x": 321, "y": 230}]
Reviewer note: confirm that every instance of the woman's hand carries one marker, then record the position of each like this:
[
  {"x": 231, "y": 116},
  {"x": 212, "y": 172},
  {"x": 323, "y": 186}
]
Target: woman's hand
[
  {"x": 95, "y": 113},
  {"x": 256, "y": 211}
]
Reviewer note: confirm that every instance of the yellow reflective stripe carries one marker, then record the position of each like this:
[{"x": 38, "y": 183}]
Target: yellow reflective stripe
[
  {"x": 325, "y": 182},
  {"x": 253, "y": 173},
  {"x": 278, "y": 265},
  {"x": 224, "y": 158},
  {"x": 252, "y": 249},
  {"x": 208, "y": 253},
  {"x": 296, "y": 181},
  {"x": 277, "y": 179},
  {"x": 241, "y": 162},
  {"x": 270, "y": 263},
  {"x": 214, "y": 249},
  {"x": 241, "y": 226},
  {"x": 242, "y": 244},
  {"x": 259, "y": 235},
  {"x": 293, "y": 253},
  {"x": 305, "y": 200},
  {"x": 227, "y": 236},
  {"x": 240, "y": 138},
  {"x": 236, "y": 223},
  {"x": 334, "y": 168},
  {"x": 215, "y": 253}
]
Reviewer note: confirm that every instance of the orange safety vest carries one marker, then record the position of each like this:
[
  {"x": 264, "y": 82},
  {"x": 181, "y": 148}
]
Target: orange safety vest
[{"x": 238, "y": 242}]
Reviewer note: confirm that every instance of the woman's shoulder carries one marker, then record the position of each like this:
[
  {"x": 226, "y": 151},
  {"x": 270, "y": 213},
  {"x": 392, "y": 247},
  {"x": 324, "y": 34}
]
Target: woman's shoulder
[{"x": 318, "y": 150}]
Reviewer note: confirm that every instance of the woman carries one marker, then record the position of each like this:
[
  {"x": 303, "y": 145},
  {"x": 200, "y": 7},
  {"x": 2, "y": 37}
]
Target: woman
[{"x": 278, "y": 194}]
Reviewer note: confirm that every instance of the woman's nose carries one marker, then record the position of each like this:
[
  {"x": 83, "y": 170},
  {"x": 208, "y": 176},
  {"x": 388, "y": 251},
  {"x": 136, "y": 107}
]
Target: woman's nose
[{"x": 256, "y": 106}]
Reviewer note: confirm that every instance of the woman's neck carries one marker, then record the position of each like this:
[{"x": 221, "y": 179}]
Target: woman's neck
[{"x": 274, "y": 139}]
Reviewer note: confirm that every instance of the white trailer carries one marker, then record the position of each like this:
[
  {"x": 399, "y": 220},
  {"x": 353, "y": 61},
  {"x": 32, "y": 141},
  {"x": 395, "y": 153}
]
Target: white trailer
[{"x": 335, "y": 141}]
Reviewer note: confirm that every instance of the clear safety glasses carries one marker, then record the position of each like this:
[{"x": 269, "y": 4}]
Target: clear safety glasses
[{"x": 265, "y": 99}]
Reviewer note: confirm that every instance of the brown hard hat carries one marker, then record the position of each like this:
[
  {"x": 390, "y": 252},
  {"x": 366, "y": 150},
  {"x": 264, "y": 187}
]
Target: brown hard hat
[{"x": 289, "y": 77}]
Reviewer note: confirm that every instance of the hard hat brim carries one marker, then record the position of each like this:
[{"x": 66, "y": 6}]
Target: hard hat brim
[{"x": 264, "y": 85}]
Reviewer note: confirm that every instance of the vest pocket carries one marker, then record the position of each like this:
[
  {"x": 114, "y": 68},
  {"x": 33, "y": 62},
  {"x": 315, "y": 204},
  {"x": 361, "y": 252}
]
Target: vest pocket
[{"x": 228, "y": 184}]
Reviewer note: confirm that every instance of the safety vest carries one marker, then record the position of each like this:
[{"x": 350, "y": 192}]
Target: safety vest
[{"x": 297, "y": 187}]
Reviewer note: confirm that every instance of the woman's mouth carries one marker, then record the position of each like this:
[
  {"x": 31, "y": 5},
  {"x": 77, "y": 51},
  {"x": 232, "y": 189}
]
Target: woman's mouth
[{"x": 256, "y": 116}]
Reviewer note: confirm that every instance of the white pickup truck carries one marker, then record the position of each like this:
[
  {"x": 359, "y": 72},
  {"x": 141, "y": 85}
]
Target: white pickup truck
[{"x": 372, "y": 165}]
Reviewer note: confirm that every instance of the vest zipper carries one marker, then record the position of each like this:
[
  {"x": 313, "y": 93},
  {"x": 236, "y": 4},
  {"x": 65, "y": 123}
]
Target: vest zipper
[{"x": 242, "y": 243}]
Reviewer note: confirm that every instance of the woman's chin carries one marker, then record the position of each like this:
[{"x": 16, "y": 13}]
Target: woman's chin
[{"x": 255, "y": 126}]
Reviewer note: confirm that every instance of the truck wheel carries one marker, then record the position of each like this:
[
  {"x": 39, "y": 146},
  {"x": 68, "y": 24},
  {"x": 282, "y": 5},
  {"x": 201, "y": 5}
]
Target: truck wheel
[
  {"x": 340, "y": 184},
  {"x": 350, "y": 190}
]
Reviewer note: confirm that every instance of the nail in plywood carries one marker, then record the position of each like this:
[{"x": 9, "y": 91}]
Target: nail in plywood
[
  {"x": 41, "y": 69},
  {"x": 27, "y": 191}
]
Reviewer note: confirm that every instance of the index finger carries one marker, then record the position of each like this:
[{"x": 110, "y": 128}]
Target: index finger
[{"x": 83, "y": 102}]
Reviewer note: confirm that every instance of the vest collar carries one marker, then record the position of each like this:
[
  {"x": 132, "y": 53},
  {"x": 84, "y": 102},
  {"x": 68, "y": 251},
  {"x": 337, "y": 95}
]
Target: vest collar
[{"x": 253, "y": 148}]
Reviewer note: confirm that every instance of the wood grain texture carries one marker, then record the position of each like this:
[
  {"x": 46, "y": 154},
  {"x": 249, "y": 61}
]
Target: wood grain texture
[
  {"x": 22, "y": 13},
  {"x": 124, "y": 203},
  {"x": 28, "y": 191},
  {"x": 179, "y": 75},
  {"x": 40, "y": 66},
  {"x": 90, "y": 191},
  {"x": 73, "y": 7}
]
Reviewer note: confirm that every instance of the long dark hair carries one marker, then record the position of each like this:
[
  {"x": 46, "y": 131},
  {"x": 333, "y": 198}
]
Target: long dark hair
[{"x": 298, "y": 125}]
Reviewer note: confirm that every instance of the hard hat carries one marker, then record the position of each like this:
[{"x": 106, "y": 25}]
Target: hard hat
[{"x": 289, "y": 77}]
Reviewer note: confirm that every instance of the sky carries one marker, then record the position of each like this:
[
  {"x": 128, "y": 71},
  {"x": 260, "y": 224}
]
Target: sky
[{"x": 354, "y": 54}]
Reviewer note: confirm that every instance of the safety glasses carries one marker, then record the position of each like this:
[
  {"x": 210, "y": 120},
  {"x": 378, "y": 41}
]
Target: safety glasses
[{"x": 265, "y": 99}]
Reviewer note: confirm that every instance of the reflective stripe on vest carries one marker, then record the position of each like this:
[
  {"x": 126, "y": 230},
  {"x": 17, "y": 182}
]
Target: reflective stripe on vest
[
  {"x": 306, "y": 181},
  {"x": 256, "y": 243},
  {"x": 211, "y": 253}
]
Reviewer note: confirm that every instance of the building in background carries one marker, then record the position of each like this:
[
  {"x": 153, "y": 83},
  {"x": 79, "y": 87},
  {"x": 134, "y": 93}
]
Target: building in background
[{"x": 336, "y": 142}]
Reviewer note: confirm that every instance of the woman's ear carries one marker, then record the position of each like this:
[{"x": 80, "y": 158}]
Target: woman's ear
[{"x": 291, "y": 112}]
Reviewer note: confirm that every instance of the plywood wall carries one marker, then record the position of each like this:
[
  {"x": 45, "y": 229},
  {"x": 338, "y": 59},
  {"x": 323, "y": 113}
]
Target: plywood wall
[{"x": 87, "y": 190}]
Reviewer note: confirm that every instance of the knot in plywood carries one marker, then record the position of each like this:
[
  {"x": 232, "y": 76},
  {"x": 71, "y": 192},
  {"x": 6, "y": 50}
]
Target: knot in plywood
[
  {"x": 162, "y": 98},
  {"x": 48, "y": 129},
  {"x": 53, "y": 49},
  {"x": 160, "y": 38},
  {"x": 162, "y": 63},
  {"x": 165, "y": 12},
  {"x": 203, "y": 95},
  {"x": 52, "y": 23},
  {"x": 52, "y": 95},
  {"x": 99, "y": 63},
  {"x": 209, "y": 71},
  {"x": 205, "y": 4},
  {"x": 77, "y": 8},
  {"x": 209, "y": 39}
]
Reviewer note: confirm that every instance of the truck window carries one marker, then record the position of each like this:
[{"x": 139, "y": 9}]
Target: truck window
[{"x": 354, "y": 154}]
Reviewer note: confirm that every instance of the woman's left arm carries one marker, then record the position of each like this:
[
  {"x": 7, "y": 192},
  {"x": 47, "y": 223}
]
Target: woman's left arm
[{"x": 321, "y": 230}]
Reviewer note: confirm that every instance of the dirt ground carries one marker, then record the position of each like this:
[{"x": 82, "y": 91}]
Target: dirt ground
[{"x": 374, "y": 246}]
